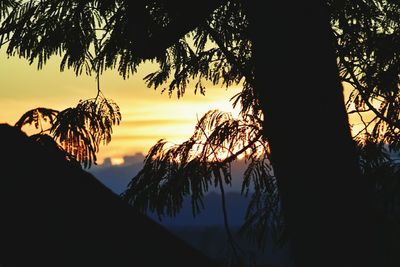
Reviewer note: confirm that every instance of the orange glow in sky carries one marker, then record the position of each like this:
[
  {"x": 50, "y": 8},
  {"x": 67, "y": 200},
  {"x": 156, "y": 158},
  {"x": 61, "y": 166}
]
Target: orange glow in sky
[{"x": 147, "y": 115}]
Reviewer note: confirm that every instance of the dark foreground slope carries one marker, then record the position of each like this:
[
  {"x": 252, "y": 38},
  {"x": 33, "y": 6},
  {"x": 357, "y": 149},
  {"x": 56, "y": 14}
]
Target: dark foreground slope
[{"x": 55, "y": 214}]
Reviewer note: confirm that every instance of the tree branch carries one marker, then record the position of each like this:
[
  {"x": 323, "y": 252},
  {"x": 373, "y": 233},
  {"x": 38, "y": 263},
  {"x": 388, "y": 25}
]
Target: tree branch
[
  {"x": 230, "y": 57},
  {"x": 361, "y": 89}
]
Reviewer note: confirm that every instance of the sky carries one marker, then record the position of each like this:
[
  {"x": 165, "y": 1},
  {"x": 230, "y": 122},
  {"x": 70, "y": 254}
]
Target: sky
[{"x": 147, "y": 115}]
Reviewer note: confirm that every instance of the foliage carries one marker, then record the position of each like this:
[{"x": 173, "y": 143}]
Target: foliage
[
  {"x": 188, "y": 169},
  {"x": 216, "y": 49},
  {"x": 78, "y": 131},
  {"x": 6, "y": 6},
  {"x": 382, "y": 169},
  {"x": 41, "y": 29},
  {"x": 363, "y": 31},
  {"x": 36, "y": 117},
  {"x": 367, "y": 45},
  {"x": 38, "y": 30},
  {"x": 170, "y": 174}
]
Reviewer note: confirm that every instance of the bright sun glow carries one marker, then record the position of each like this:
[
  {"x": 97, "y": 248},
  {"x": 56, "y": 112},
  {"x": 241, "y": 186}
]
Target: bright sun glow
[
  {"x": 144, "y": 123},
  {"x": 117, "y": 161}
]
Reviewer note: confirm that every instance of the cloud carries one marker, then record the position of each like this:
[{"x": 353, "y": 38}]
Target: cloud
[
  {"x": 135, "y": 159},
  {"x": 117, "y": 177}
]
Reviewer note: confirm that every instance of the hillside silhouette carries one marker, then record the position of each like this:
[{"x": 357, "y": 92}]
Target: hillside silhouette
[{"x": 56, "y": 214}]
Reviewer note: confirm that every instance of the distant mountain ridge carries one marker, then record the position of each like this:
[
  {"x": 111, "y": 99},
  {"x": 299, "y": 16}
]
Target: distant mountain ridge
[
  {"x": 117, "y": 177},
  {"x": 212, "y": 214}
]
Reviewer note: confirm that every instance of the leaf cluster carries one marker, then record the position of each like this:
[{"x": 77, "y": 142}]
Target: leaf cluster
[
  {"x": 381, "y": 168},
  {"x": 188, "y": 170},
  {"x": 6, "y": 6},
  {"x": 217, "y": 51},
  {"x": 38, "y": 30},
  {"x": 367, "y": 40},
  {"x": 79, "y": 130}
]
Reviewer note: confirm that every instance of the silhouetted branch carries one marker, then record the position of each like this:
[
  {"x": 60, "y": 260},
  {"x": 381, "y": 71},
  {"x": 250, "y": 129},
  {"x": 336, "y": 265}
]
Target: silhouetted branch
[
  {"x": 365, "y": 127},
  {"x": 230, "y": 56},
  {"x": 242, "y": 150},
  {"x": 361, "y": 89},
  {"x": 358, "y": 111}
]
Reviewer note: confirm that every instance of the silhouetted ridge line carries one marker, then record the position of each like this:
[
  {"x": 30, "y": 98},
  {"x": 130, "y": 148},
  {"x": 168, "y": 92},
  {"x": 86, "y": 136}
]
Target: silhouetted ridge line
[{"x": 53, "y": 213}]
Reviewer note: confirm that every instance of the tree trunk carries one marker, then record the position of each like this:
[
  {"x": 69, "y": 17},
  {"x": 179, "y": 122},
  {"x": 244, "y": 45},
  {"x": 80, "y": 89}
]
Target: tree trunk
[{"x": 324, "y": 199}]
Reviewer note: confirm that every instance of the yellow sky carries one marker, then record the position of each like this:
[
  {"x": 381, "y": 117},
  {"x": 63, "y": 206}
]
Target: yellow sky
[{"x": 147, "y": 115}]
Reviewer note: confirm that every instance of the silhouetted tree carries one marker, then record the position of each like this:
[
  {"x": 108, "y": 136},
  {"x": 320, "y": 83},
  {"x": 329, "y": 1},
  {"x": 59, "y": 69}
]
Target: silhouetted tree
[{"x": 284, "y": 57}]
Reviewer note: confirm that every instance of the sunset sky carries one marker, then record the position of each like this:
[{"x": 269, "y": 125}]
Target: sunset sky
[{"x": 147, "y": 115}]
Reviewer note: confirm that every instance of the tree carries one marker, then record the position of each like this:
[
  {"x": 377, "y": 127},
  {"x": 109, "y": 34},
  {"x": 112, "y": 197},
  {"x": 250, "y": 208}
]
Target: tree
[{"x": 301, "y": 78}]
